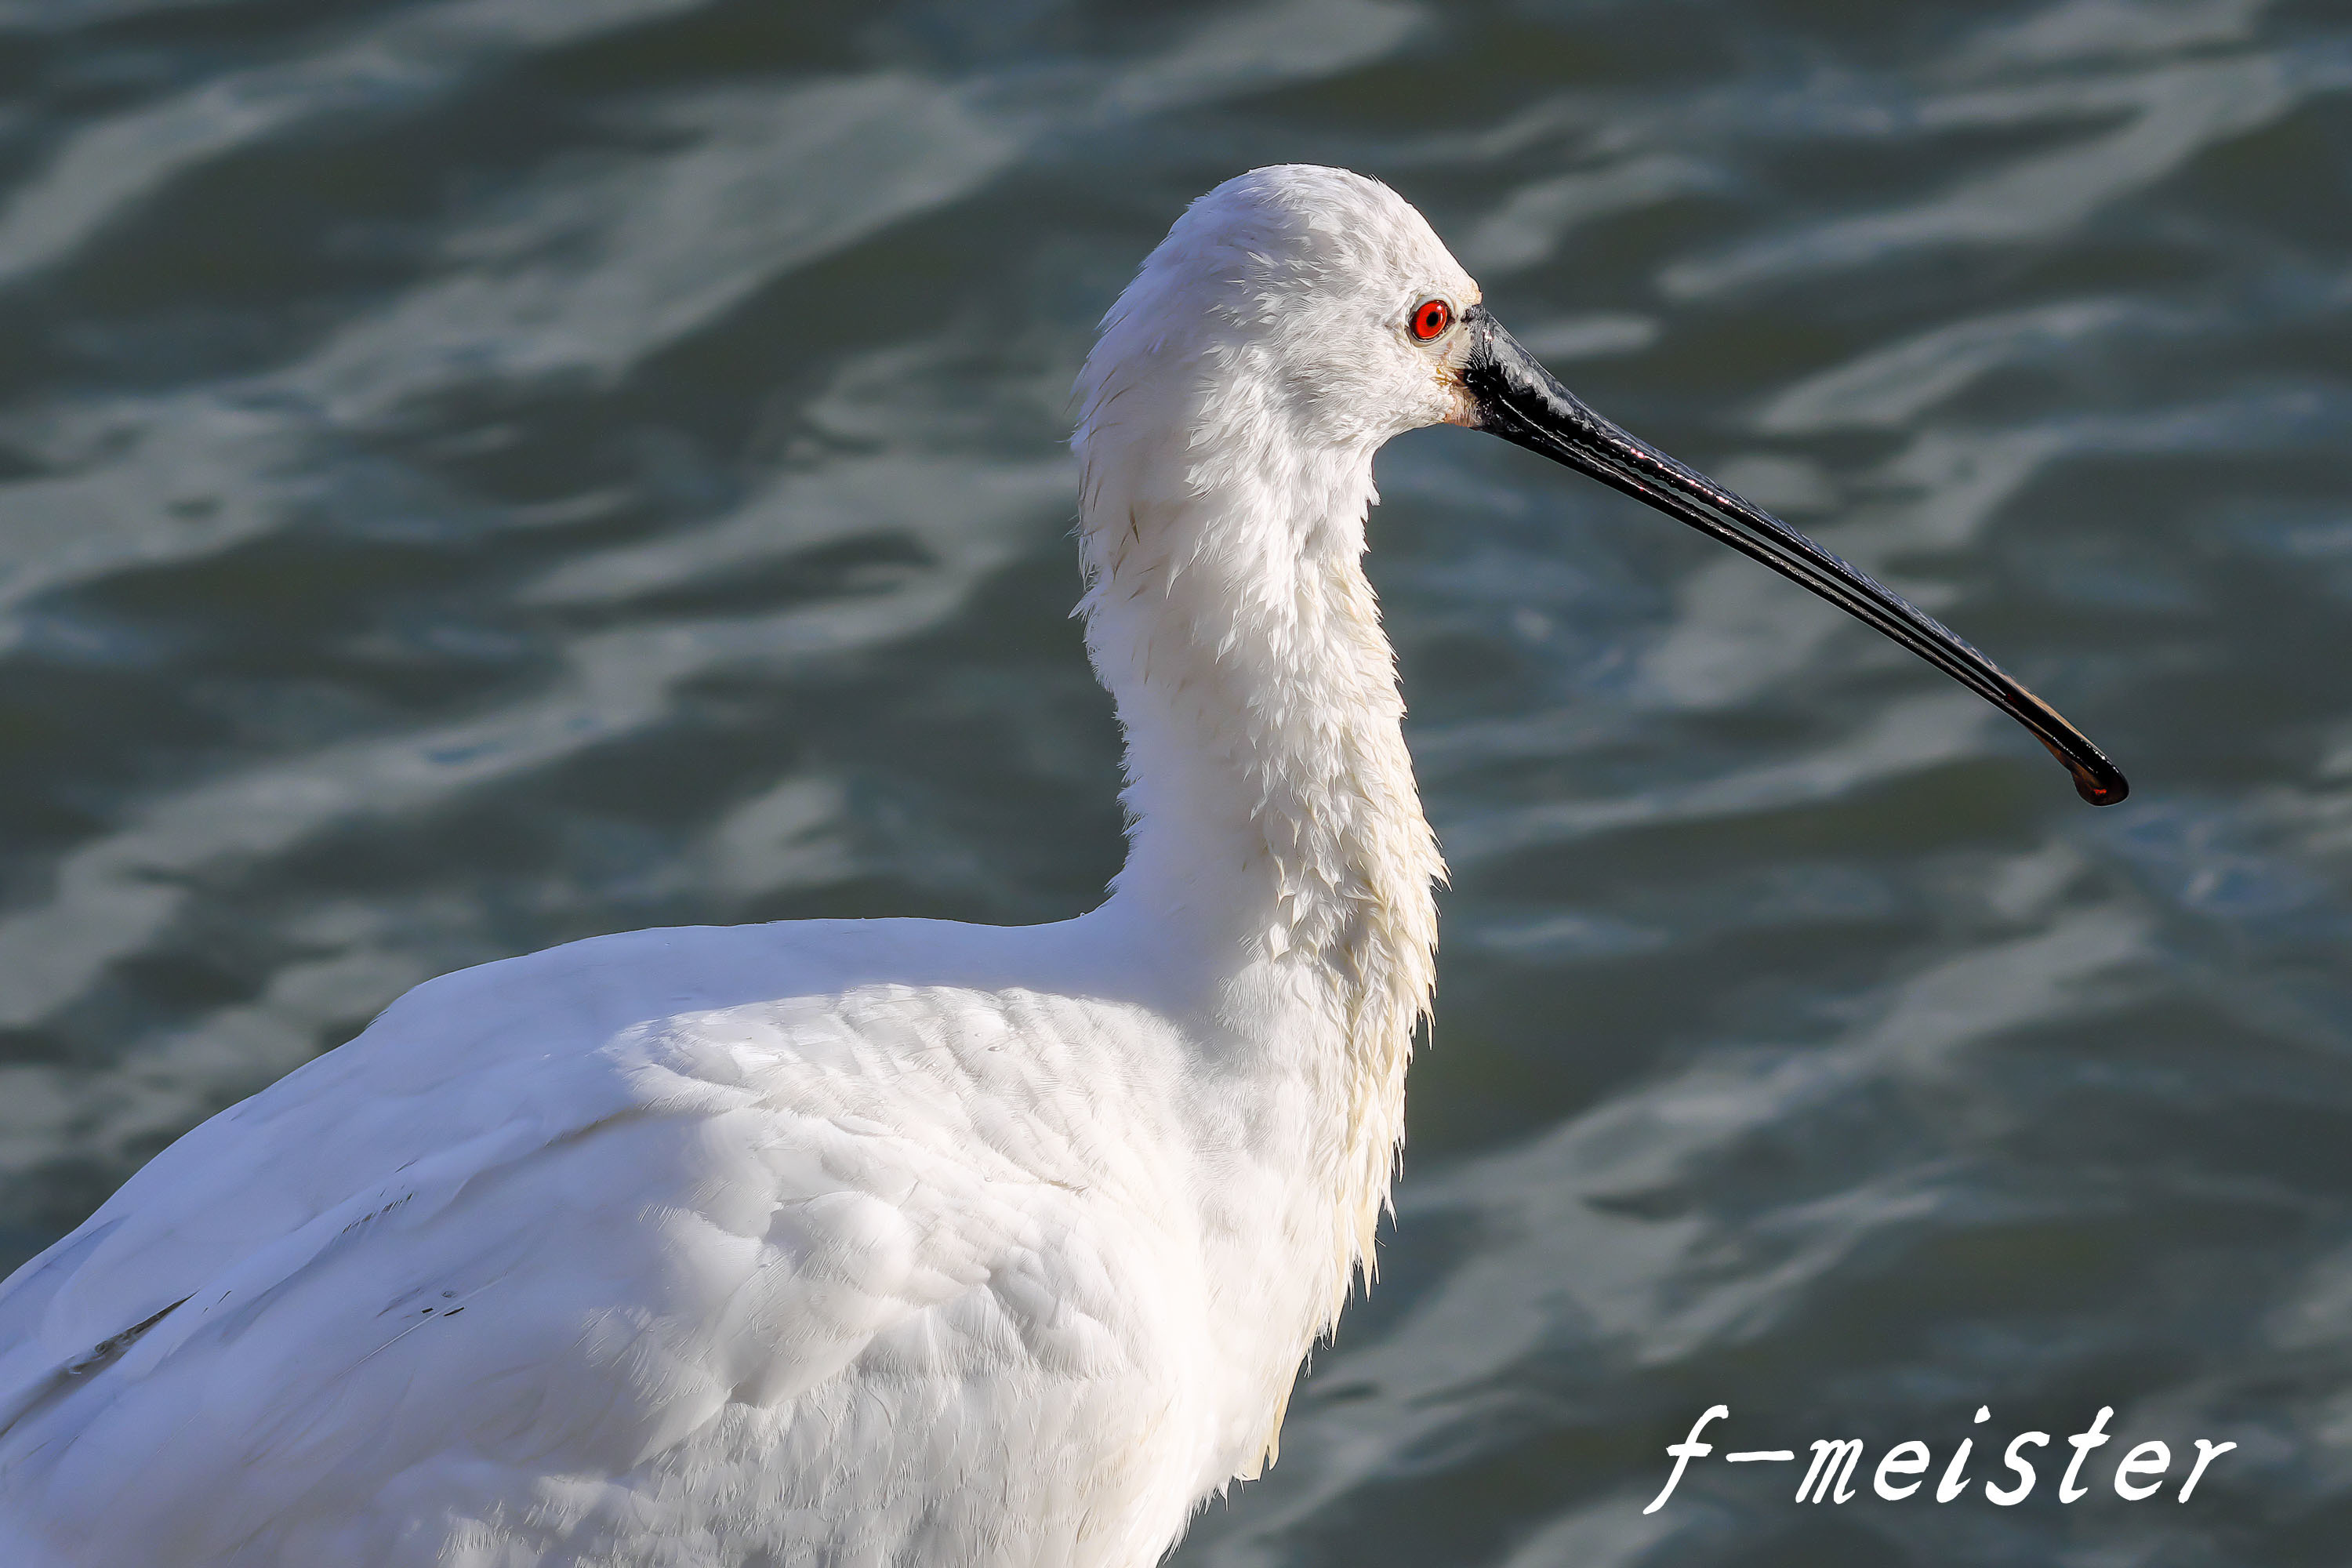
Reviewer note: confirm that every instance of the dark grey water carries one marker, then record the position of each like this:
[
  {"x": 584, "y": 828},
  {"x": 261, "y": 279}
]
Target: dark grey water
[{"x": 480, "y": 473}]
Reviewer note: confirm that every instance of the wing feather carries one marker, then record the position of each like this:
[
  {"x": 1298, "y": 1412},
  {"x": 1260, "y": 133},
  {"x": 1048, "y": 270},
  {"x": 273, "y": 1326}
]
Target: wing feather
[{"x": 522, "y": 1264}]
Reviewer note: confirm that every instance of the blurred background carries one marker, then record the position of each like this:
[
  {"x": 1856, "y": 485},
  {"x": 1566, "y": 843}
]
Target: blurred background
[{"x": 479, "y": 473}]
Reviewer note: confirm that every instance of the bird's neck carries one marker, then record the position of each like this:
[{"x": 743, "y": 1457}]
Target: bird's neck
[{"x": 1275, "y": 826}]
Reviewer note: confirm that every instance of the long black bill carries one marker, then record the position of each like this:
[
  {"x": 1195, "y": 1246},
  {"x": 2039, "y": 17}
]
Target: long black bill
[{"x": 1520, "y": 401}]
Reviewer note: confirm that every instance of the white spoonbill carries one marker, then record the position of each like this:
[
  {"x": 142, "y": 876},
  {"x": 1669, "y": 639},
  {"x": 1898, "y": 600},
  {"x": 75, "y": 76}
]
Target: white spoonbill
[{"x": 884, "y": 1242}]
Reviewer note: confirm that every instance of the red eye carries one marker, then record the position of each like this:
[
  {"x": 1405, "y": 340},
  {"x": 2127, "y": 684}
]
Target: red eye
[{"x": 1430, "y": 318}]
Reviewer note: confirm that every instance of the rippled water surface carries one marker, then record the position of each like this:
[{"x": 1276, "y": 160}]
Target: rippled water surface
[{"x": 480, "y": 473}]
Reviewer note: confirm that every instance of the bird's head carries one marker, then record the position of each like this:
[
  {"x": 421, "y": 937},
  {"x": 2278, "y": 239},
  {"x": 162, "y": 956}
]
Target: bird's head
[
  {"x": 1320, "y": 297},
  {"x": 1298, "y": 317}
]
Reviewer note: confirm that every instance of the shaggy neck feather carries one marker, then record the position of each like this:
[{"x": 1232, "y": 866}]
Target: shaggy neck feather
[{"x": 1275, "y": 822}]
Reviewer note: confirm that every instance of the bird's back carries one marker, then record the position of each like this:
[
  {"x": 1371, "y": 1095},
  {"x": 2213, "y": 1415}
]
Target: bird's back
[{"x": 769, "y": 1244}]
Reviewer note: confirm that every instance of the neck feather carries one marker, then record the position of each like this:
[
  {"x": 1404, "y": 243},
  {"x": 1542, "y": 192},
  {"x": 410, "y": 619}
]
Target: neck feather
[{"x": 1275, "y": 819}]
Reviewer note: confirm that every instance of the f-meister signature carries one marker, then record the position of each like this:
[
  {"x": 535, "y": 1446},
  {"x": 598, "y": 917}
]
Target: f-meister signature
[{"x": 2141, "y": 1472}]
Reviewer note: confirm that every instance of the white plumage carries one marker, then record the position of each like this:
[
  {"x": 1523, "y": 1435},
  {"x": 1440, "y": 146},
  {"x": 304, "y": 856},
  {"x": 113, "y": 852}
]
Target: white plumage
[
  {"x": 850, "y": 1242},
  {"x": 891, "y": 1242}
]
